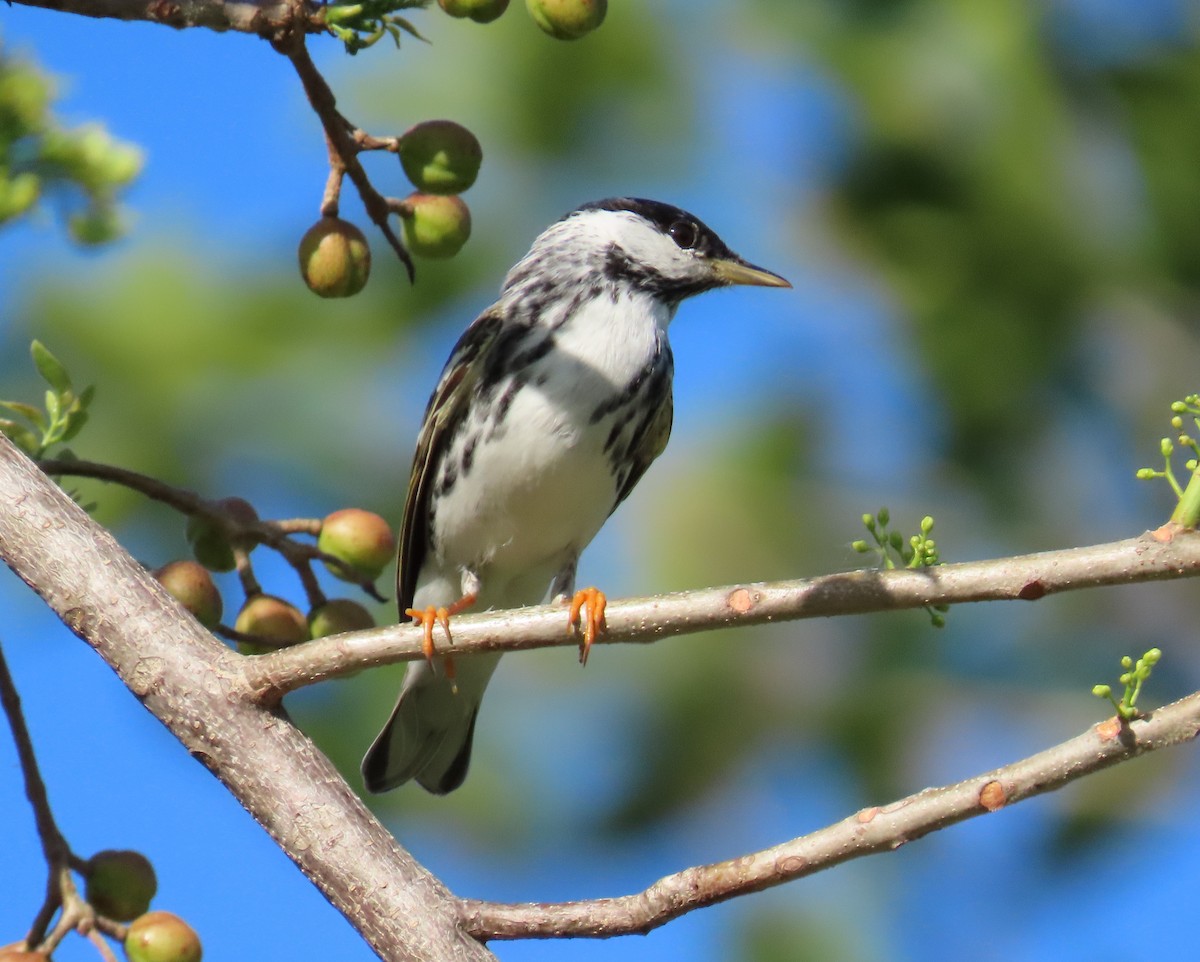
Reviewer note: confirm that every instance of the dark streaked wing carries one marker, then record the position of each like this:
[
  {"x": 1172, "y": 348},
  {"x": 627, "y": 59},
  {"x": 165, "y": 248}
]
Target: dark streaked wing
[
  {"x": 447, "y": 406},
  {"x": 650, "y": 440}
]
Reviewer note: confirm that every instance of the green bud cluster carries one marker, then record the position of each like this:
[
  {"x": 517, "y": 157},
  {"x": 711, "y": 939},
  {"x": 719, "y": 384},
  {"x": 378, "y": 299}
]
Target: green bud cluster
[
  {"x": 1135, "y": 675},
  {"x": 362, "y": 24},
  {"x": 1187, "y": 494},
  {"x": 892, "y": 551}
]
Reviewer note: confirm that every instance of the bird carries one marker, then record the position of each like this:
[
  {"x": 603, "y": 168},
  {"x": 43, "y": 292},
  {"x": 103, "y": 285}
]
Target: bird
[{"x": 551, "y": 407}]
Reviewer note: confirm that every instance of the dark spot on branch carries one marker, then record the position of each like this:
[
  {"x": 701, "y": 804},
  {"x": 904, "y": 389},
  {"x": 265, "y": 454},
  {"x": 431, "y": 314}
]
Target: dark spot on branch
[{"x": 1032, "y": 590}]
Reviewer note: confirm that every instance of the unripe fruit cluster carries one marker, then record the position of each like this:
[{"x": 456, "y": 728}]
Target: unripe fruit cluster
[
  {"x": 281, "y": 625},
  {"x": 441, "y": 159},
  {"x": 361, "y": 540},
  {"x": 561, "y": 19}
]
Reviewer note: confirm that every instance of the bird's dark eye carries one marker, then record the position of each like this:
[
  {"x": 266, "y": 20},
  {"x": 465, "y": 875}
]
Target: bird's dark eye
[{"x": 684, "y": 233}]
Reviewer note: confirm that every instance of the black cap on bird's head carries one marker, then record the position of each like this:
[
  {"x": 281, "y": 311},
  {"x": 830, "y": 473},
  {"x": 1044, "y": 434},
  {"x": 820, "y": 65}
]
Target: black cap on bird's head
[{"x": 719, "y": 266}]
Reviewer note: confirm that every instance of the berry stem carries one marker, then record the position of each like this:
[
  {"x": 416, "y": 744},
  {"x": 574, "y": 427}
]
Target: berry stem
[{"x": 340, "y": 135}]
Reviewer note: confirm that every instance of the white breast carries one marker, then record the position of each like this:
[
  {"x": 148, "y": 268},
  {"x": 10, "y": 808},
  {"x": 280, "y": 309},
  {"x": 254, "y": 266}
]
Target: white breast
[{"x": 540, "y": 485}]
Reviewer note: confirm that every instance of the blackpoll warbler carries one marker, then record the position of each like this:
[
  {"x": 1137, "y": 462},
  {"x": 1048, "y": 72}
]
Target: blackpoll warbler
[{"x": 551, "y": 407}]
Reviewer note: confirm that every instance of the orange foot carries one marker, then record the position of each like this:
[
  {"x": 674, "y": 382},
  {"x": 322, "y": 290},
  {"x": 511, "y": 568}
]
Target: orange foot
[
  {"x": 435, "y": 615},
  {"x": 593, "y": 599}
]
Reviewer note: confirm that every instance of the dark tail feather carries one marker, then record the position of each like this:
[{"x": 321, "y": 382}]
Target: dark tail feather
[{"x": 429, "y": 734}]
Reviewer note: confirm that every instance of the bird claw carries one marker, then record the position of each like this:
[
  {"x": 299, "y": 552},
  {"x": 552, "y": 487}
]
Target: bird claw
[
  {"x": 594, "y": 600},
  {"x": 427, "y": 618}
]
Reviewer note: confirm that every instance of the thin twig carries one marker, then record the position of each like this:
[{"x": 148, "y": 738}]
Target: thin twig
[
  {"x": 54, "y": 843},
  {"x": 236, "y": 529},
  {"x": 181, "y": 499},
  {"x": 341, "y": 137},
  {"x": 872, "y": 830},
  {"x": 642, "y": 620},
  {"x": 101, "y": 946}
]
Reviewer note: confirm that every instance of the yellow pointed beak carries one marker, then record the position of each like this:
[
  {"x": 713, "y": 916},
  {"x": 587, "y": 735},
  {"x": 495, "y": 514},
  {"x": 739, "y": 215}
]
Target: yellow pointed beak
[{"x": 730, "y": 271}]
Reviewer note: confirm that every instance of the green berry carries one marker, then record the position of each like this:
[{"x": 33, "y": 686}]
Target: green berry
[
  {"x": 161, "y": 937},
  {"x": 440, "y": 157},
  {"x": 192, "y": 586},
  {"x": 567, "y": 19},
  {"x": 270, "y": 618},
  {"x": 337, "y": 616},
  {"x": 362, "y": 539},
  {"x": 335, "y": 260},
  {"x": 207, "y": 537},
  {"x": 120, "y": 883},
  {"x": 435, "y": 226},
  {"x": 209, "y": 544},
  {"x": 481, "y": 11}
]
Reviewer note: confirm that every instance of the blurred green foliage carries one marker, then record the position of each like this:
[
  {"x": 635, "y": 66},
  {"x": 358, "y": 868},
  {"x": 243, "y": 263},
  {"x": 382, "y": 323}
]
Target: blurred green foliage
[
  {"x": 1009, "y": 188},
  {"x": 84, "y": 168}
]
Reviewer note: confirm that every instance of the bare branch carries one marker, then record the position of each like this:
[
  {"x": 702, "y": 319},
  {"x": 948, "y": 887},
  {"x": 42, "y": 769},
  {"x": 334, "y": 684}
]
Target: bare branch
[
  {"x": 54, "y": 844},
  {"x": 872, "y": 830},
  {"x": 265, "y": 19},
  {"x": 236, "y": 526},
  {"x": 1152, "y": 557}
]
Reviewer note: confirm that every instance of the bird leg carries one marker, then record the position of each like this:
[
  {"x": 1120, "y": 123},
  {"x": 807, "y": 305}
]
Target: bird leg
[
  {"x": 440, "y": 615},
  {"x": 595, "y": 602}
]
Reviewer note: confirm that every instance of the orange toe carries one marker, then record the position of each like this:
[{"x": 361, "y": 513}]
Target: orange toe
[
  {"x": 594, "y": 601},
  {"x": 436, "y": 615},
  {"x": 427, "y": 618}
]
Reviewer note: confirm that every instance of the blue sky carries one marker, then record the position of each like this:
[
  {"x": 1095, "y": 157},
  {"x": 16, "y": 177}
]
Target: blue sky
[{"x": 211, "y": 113}]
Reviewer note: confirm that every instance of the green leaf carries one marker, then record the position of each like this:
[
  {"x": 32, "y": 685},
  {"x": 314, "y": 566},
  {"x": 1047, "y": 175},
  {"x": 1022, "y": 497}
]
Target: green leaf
[
  {"x": 75, "y": 424},
  {"x": 53, "y": 408},
  {"x": 22, "y": 437},
  {"x": 34, "y": 414},
  {"x": 50, "y": 367}
]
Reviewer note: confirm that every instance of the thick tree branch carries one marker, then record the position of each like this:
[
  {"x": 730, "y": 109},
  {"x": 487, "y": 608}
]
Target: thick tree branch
[
  {"x": 187, "y": 679},
  {"x": 1167, "y": 553},
  {"x": 872, "y": 830}
]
